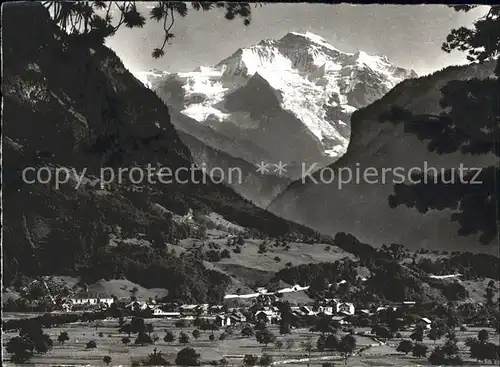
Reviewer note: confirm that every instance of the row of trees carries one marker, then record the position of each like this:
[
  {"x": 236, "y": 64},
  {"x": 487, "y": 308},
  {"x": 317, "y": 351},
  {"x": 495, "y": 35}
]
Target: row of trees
[
  {"x": 480, "y": 348},
  {"x": 31, "y": 340}
]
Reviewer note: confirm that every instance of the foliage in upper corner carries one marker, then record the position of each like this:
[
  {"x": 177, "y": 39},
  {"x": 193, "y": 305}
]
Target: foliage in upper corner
[
  {"x": 482, "y": 42},
  {"x": 94, "y": 20},
  {"x": 468, "y": 124}
]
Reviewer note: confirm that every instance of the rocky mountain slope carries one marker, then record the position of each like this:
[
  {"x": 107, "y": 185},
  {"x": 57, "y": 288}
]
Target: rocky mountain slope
[
  {"x": 287, "y": 100},
  {"x": 245, "y": 180},
  {"x": 70, "y": 103},
  {"x": 362, "y": 208}
]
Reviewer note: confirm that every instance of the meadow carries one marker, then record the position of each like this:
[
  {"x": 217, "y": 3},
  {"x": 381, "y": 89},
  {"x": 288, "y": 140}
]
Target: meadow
[{"x": 369, "y": 351}]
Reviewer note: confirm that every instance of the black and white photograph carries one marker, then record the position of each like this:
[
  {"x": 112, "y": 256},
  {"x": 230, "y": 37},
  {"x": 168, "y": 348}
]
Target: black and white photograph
[{"x": 312, "y": 184}]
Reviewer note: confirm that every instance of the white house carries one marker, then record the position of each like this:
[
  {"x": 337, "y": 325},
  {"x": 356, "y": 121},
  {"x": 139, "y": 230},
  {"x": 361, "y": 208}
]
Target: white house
[
  {"x": 215, "y": 308},
  {"x": 307, "y": 310},
  {"x": 223, "y": 320},
  {"x": 157, "y": 311},
  {"x": 264, "y": 315},
  {"x": 189, "y": 309},
  {"x": 268, "y": 314},
  {"x": 238, "y": 317},
  {"x": 327, "y": 310},
  {"x": 134, "y": 305},
  {"x": 409, "y": 304},
  {"x": 340, "y": 319},
  {"x": 89, "y": 299},
  {"x": 346, "y": 308},
  {"x": 425, "y": 322}
]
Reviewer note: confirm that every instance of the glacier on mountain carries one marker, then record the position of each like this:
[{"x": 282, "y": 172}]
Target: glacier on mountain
[{"x": 314, "y": 82}]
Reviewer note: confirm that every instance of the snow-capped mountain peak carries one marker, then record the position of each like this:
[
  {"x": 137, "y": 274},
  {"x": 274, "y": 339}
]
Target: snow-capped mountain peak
[
  {"x": 318, "y": 87},
  {"x": 314, "y": 38}
]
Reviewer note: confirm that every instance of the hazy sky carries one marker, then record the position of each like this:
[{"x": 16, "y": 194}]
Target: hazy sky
[{"x": 409, "y": 35}]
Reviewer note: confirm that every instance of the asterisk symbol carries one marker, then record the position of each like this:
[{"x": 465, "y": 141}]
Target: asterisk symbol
[
  {"x": 280, "y": 168},
  {"x": 262, "y": 167}
]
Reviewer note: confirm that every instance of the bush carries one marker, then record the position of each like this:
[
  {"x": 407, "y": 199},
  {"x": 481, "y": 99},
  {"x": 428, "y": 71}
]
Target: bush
[
  {"x": 183, "y": 338},
  {"x": 250, "y": 360},
  {"x": 419, "y": 350},
  {"x": 180, "y": 324},
  {"x": 169, "y": 337},
  {"x": 106, "y": 360},
  {"x": 437, "y": 357},
  {"x": 213, "y": 256},
  {"x": 483, "y": 335},
  {"x": 187, "y": 357},
  {"x": 405, "y": 346},
  {"x": 382, "y": 332},
  {"x": 225, "y": 254},
  {"x": 347, "y": 344},
  {"x": 265, "y": 337},
  {"x": 265, "y": 360},
  {"x": 156, "y": 359},
  {"x": 63, "y": 337},
  {"x": 247, "y": 331},
  {"x": 21, "y": 349},
  {"x": 143, "y": 338},
  {"x": 91, "y": 345}
]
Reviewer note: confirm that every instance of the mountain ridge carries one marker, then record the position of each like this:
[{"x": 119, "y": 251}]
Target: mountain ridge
[
  {"x": 71, "y": 104},
  {"x": 316, "y": 85},
  {"x": 385, "y": 145}
]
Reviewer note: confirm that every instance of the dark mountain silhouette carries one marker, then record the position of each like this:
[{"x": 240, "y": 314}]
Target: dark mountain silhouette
[
  {"x": 71, "y": 105},
  {"x": 370, "y": 211}
]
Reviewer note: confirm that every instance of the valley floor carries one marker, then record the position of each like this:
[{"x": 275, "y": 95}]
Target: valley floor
[{"x": 233, "y": 348}]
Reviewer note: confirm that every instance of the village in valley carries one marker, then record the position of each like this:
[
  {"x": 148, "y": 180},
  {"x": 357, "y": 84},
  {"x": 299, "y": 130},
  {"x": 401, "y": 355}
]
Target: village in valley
[
  {"x": 327, "y": 308},
  {"x": 282, "y": 301},
  {"x": 259, "y": 328}
]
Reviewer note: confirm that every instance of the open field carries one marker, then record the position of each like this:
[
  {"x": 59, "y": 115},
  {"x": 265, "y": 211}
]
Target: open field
[
  {"x": 250, "y": 266},
  {"x": 233, "y": 348}
]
